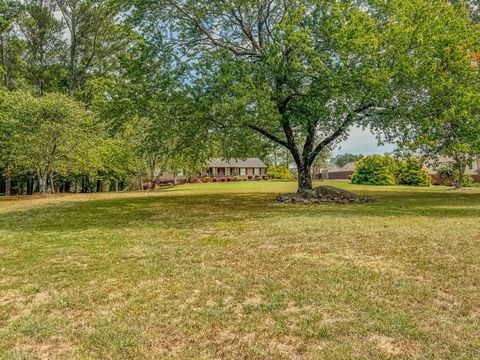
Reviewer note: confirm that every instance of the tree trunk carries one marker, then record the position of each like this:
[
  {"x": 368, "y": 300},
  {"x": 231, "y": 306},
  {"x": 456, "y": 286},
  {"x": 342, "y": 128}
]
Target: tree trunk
[
  {"x": 85, "y": 184},
  {"x": 42, "y": 182},
  {"x": 116, "y": 185},
  {"x": 52, "y": 184},
  {"x": 152, "y": 164},
  {"x": 461, "y": 172},
  {"x": 8, "y": 185},
  {"x": 67, "y": 186},
  {"x": 30, "y": 182},
  {"x": 304, "y": 178},
  {"x": 99, "y": 185},
  {"x": 76, "y": 186}
]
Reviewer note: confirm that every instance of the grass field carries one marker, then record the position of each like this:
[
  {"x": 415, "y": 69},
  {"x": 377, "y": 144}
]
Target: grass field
[{"x": 222, "y": 271}]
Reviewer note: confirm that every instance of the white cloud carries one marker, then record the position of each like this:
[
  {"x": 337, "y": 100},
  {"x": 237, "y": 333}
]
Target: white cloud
[{"x": 362, "y": 142}]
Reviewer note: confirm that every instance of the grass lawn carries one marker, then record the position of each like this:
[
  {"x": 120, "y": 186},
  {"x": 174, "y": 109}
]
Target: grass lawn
[{"x": 222, "y": 271}]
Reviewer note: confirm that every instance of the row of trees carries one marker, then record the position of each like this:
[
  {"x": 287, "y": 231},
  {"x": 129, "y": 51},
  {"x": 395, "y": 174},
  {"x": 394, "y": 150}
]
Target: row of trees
[
  {"x": 152, "y": 85},
  {"x": 52, "y": 54},
  {"x": 89, "y": 100}
]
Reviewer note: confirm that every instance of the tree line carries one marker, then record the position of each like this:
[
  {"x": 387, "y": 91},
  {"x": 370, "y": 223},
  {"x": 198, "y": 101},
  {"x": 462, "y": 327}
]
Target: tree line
[
  {"x": 101, "y": 91},
  {"x": 88, "y": 101}
]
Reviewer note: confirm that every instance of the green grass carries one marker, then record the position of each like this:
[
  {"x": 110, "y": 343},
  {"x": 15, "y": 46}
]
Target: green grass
[{"x": 222, "y": 271}]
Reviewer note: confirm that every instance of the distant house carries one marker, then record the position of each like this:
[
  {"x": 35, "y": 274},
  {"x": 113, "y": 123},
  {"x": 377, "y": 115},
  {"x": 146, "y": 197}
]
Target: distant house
[
  {"x": 334, "y": 172},
  {"x": 251, "y": 167},
  {"x": 472, "y": 169},
  {"x": 432, "y": 166}
]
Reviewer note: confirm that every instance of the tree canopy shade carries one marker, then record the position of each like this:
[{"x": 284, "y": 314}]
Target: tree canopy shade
[{"x": 302, "y": 72}]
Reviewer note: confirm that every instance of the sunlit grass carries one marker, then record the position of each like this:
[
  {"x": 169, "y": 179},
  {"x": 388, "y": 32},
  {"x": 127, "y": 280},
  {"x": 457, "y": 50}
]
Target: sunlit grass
[{"x": 222, "y": 271}]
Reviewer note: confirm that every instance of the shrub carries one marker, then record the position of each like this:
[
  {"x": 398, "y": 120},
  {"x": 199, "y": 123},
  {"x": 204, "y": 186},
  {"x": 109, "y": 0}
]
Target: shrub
[
  {"x": 279, "y": 172},
  {"x": 214, "y": 180},
  {"x": 412, "y": 172},
  {"x": 207, "y": 179},
  {"x": 222, "y": 179},
  {"x": 235, "y": 178},
  {"x": 250, "y": 177},
  {"x": 375, "y": 170},
  {"x": 467, "y": 181},
  {"x": 228, "y": 179}
]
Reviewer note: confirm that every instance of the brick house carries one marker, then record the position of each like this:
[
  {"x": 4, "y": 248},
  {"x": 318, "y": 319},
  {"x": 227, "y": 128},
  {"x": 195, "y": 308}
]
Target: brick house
[
  {"x": 251, "y": 167},
  {"x": 334, "y": 172}
]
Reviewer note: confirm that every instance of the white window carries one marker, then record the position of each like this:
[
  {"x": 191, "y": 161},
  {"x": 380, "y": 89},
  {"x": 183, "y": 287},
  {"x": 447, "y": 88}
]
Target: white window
[
  {"x": 256, "y": 171},
  {"x": 243, "y": 171}
]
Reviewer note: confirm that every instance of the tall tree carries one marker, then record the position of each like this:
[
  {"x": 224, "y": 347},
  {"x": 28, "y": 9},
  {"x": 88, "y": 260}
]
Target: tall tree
[
  {"x": 43, "y": 35},
  {"x": 10, "y": 45},
  {"x": 301, "y": 72},
  {"x": 94, "y": 41},
  {"x": 448, "y": 124}
]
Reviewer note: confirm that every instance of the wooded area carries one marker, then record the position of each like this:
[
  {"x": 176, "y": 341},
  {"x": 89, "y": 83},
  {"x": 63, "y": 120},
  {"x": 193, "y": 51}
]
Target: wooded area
[{"x": 101, "y": 94}]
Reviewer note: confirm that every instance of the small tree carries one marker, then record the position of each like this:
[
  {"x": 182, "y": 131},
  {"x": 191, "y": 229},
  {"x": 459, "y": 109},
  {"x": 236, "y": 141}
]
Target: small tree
[
  {"x": 449, "y": 176},
  {"x": 53, "y": 133}
]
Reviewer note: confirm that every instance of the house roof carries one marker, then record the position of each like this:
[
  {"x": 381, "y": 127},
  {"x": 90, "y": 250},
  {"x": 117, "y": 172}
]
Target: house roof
[
  {"x": 349, "y": 167},
  {"x": 236, "y": 163},
  {"x": 332, "y": 167}
]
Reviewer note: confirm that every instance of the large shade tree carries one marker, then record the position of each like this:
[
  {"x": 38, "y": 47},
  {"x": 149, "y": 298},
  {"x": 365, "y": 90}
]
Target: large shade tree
[
  {"x": 302, "y": 72},
  {"x": 449, "y": 124}
]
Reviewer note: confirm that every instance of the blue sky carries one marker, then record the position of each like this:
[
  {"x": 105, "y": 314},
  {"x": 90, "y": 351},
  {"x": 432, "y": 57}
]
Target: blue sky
[{"x": 362, "y": 142}]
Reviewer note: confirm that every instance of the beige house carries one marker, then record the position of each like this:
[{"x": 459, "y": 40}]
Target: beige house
[
  {"x": 250, "y": 167},
  {"x": 432, "y": 166}
]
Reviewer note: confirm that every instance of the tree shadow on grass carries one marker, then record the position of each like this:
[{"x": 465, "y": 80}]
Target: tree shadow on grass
[{"x": 190, "y": 211}]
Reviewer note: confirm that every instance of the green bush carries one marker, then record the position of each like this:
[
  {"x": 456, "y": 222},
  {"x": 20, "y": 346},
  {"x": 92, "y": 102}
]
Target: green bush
[
  {"x": 279, "y": 172},
  {"x": 412, "y": 172},
  {"x": 375, "y": 170},
  {"x": 467, "y": 181}
]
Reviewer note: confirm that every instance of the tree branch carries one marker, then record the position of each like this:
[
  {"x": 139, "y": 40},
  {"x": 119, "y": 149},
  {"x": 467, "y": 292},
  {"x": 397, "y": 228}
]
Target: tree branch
[
  {"x": 238, "y": 51},
  {"x": 340, "y": 130},
  {"x": 269, "y": 135},
  {"x": 291, "y": 145}
]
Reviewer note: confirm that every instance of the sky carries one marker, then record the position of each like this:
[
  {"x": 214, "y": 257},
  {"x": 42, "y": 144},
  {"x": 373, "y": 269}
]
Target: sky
[{"x": 361, "y": 142}]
